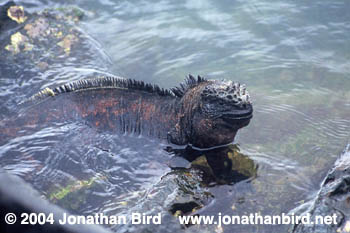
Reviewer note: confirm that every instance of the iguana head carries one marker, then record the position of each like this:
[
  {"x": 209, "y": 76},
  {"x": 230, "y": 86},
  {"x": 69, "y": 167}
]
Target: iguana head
[{"x": 213, "y": 111}]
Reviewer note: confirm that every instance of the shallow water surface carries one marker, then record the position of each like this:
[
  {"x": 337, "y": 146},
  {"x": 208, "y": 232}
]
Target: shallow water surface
[{"x": 294, "y": 58}]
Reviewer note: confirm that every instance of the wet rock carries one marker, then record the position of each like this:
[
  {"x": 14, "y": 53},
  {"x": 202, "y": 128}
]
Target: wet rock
[
  {"x": 18, "y": 197},
  {"x": 50, "y": 37},
  {"x": 185, "y": 191},
  {"x": 48, "y": 30},
  {"x": 42, "y": 48},
  {"x": 19, "y": 42},
  {"x": 332, "y": 200},
  {"x": 16, "y": 13}
]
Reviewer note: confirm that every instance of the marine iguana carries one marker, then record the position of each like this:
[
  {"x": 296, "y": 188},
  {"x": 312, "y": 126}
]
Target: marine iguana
[{"x": 200, "y": 112}]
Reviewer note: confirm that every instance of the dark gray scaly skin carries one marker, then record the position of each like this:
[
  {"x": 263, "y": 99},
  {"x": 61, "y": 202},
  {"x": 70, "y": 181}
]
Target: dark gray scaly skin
[
  {"x": 203, "y": 113},
  {"x": 333, "y": 199}
]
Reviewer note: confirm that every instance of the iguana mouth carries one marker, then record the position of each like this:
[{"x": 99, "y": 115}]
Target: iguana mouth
[{"x": 235, "y": 117}]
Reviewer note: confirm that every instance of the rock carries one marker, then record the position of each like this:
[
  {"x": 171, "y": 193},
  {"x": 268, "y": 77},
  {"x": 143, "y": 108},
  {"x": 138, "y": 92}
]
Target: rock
[
  {"x": 18, "y": 197},
  {"x": 332, "y": 200}
]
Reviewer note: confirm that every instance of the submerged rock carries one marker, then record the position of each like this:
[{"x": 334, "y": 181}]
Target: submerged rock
[
  {"x": 49, "y": 32},
  {"x": 18, "y": 197},
  {"x": 43, "y": 48},
  {"x": 186, "y": 191}
]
